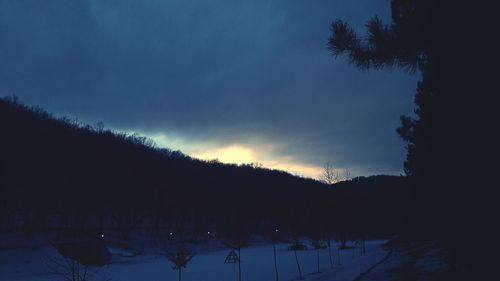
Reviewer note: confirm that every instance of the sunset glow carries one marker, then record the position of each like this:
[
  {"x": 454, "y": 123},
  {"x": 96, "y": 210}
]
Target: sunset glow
[
  {"x": 230, "y": 154},
  {"x": 264, "y": 154}
]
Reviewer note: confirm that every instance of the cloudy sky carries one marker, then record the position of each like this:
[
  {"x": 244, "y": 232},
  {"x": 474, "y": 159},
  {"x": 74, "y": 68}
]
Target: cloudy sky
[{"x": 240, "y": 81}]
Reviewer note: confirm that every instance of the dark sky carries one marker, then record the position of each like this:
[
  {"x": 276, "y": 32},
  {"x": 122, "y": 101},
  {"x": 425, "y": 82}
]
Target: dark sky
[{"x": 236, "y": 80}]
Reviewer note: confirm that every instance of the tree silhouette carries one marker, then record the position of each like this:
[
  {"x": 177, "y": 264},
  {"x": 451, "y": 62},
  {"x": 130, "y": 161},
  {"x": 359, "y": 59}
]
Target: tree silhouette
[
  {"x": 330, "y": 175},
  {"x": 440, "y": 39},
  {"x": 317, "y": 244},
  {"x": 329, "y": 246},
  {"x": 296, "y": 245},
  {"x": 276, "y": 237},
  {"x": 180, "y": 258}
]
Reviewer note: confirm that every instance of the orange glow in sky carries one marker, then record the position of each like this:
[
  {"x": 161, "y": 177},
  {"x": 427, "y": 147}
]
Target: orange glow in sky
[
  {"x": 239, "y": 154},
  {"x": 229, "y": 154}
]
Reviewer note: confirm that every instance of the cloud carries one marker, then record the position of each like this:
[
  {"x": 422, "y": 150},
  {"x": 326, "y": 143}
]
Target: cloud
[{"x": 247, "y": 73}]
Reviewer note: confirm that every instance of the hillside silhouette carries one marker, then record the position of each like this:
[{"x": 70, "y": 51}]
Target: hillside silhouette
[{"x": 57, "y": 174}]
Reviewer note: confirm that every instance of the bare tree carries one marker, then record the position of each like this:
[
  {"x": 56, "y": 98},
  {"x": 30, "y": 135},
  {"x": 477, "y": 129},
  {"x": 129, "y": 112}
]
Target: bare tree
[
  {"x": 338, "y": 251},
  {"x": 298, "y": 264},
  {"x": 330, "y": 175},
  {"x": 68, "y": 269},
  {"x": 256, "y": 165},
  {"x": 347, "y": 174},
  {"x": 317, "y": 244},
  {"x": 329, "y": 245},
  {"x": 275, "y": 262},
  {"x": 180, "y": 258},
  {"x": 276, "y": 238},
  {"x": 297, "y": 246}
]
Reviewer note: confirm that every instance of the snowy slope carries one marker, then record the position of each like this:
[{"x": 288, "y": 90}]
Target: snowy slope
[{"x": 410, "y": 261}]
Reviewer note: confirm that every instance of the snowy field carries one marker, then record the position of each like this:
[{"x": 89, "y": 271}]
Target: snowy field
[
  {"x": 257, "y": 264},
  {"x": 412, "y": 261}
]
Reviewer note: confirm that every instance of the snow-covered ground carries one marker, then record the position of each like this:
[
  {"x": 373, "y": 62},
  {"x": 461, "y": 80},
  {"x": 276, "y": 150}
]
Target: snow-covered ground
[
  {"x": 257, "y": 264},
  {"x": 411, "y": 261}
]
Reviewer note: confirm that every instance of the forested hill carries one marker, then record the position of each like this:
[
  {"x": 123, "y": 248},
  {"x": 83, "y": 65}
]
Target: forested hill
[{"x": 58, "y": 166}]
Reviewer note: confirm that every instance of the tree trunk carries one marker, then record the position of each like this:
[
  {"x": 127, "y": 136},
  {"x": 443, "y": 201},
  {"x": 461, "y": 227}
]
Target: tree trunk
[
  {"x": 298, "y": 265},
  {"x": 275, "y": 262},
  {"x": 239, "y": 264},
  {"x": 317, "y": 258},
  {"x": 330, "y": 252},
  {"x": 338, "y": 255}
]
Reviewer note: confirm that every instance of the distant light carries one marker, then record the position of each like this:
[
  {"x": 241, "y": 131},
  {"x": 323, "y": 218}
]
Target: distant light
[
  {"x": 102, "y": 235},
  {"x": 208, "y": 232},
  {"x": 171, "y": 234},
  {"x": 277, "y": 230}
]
